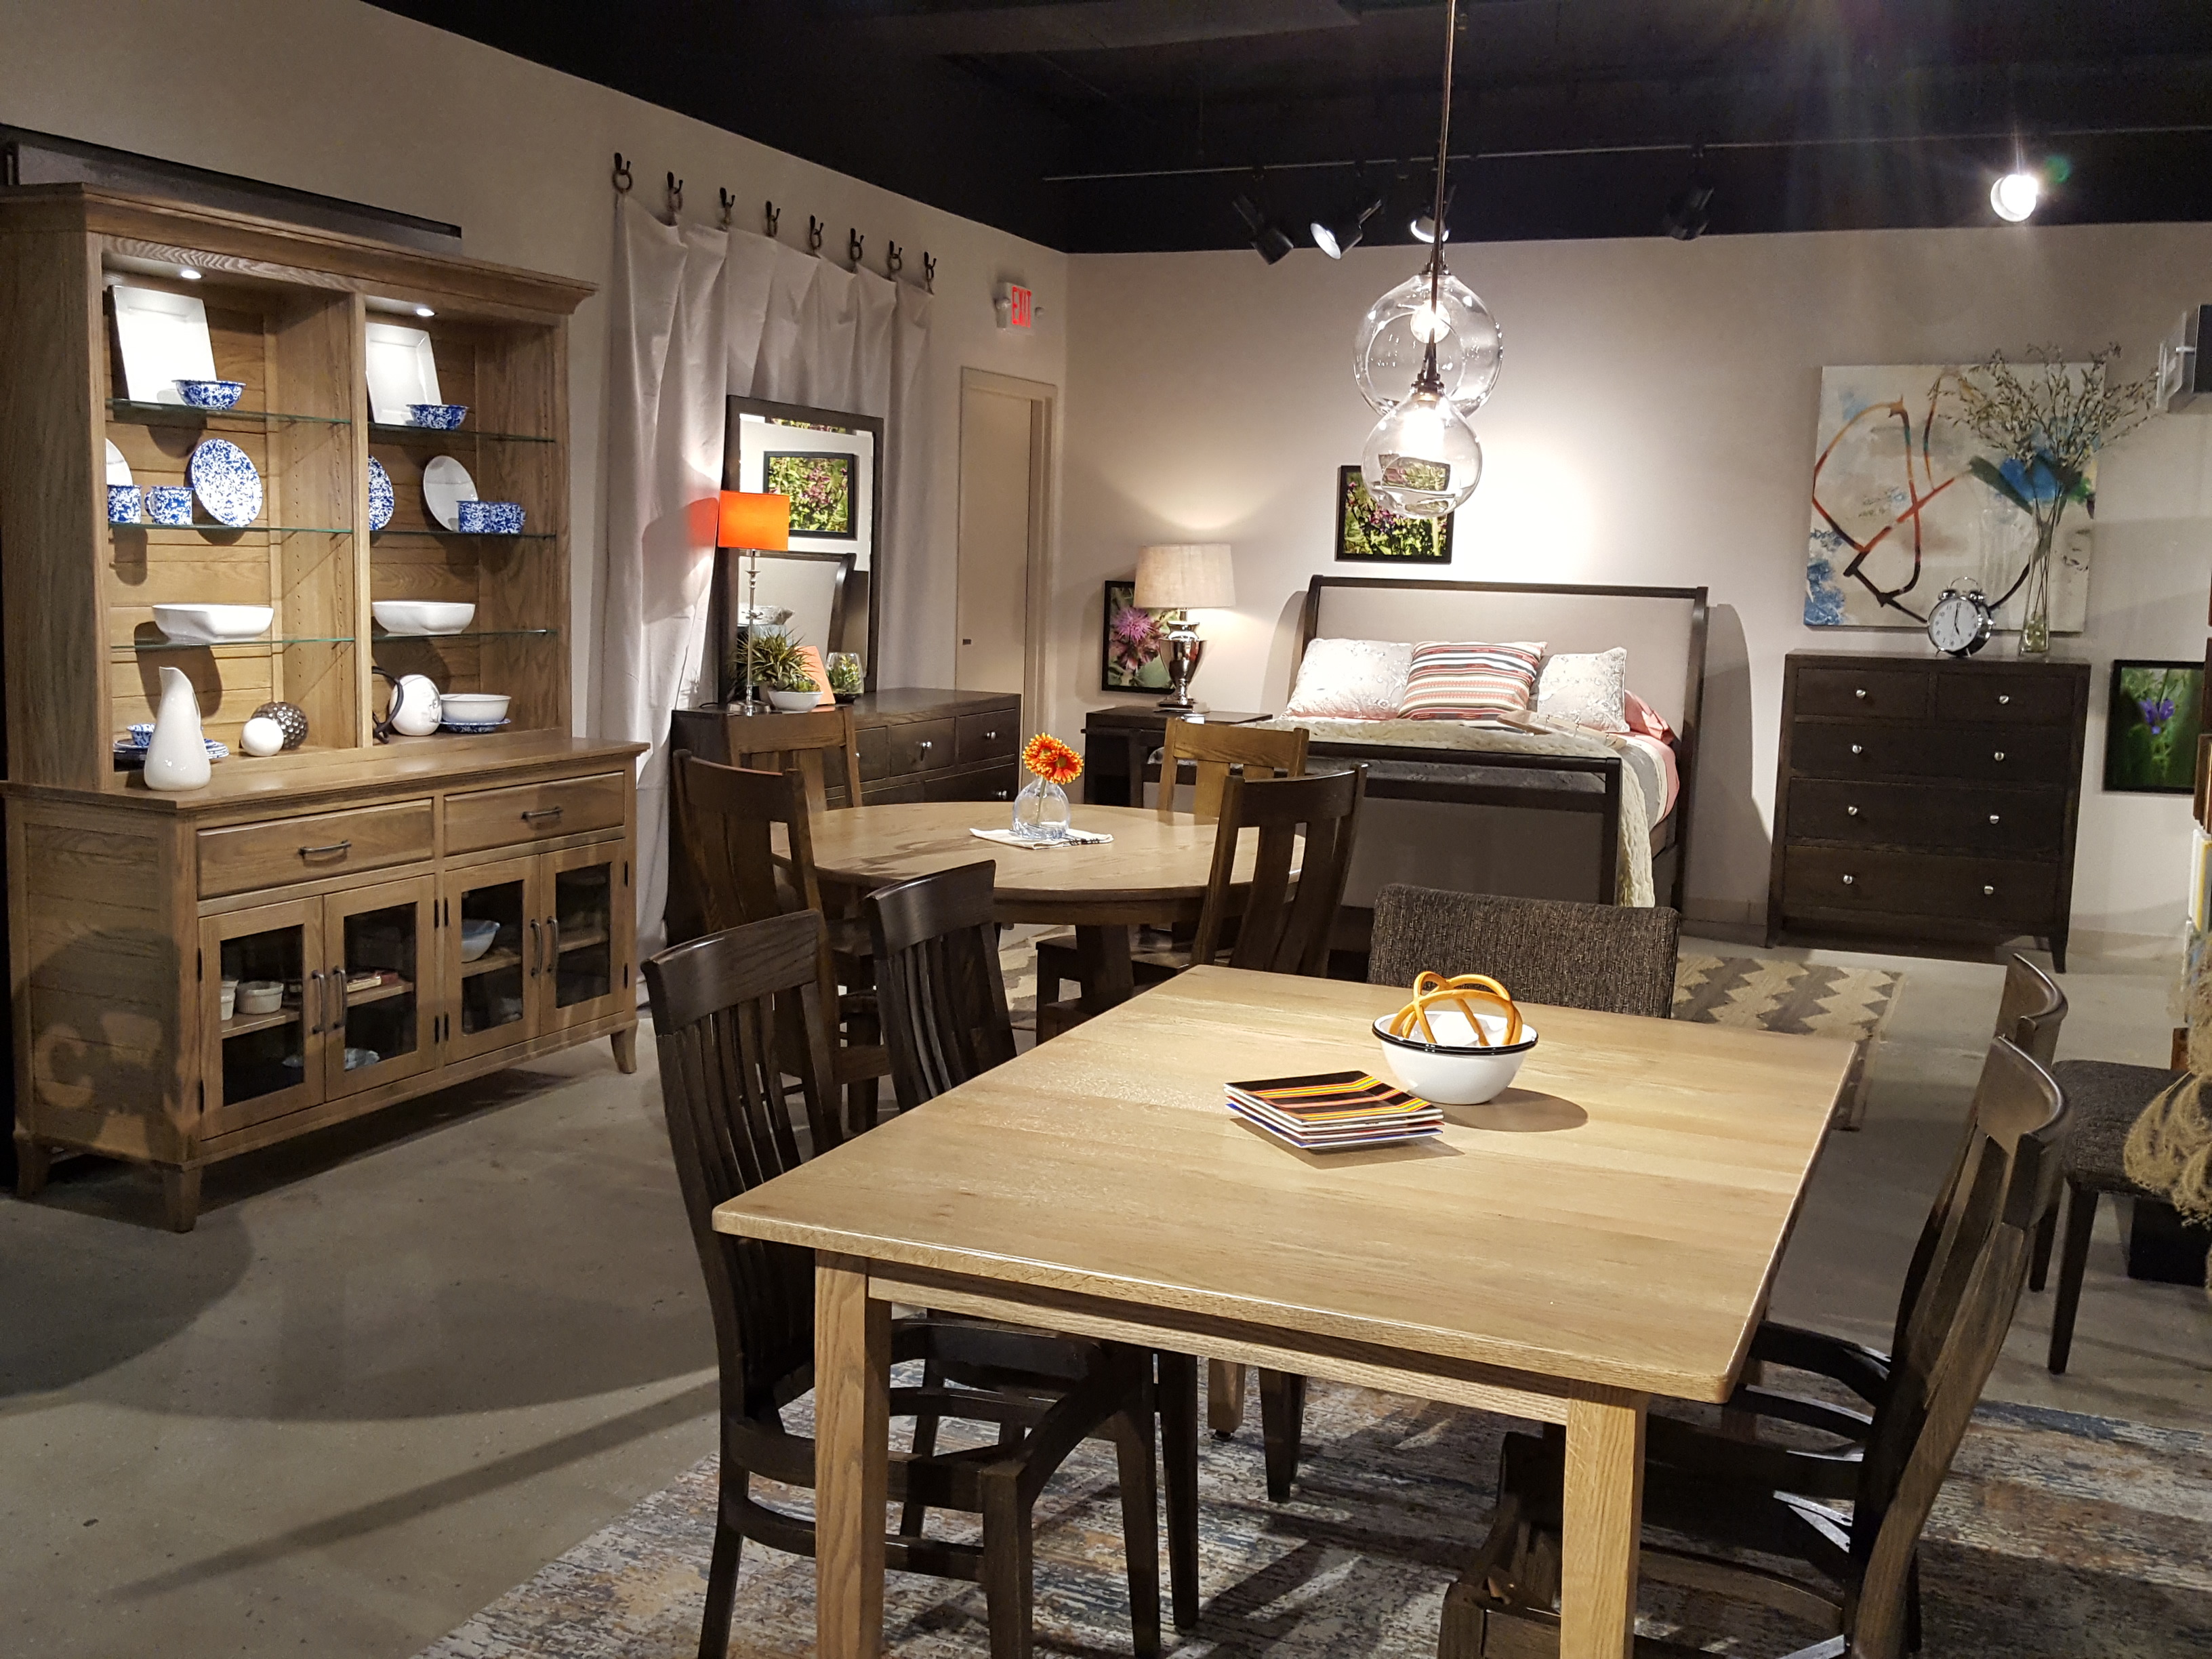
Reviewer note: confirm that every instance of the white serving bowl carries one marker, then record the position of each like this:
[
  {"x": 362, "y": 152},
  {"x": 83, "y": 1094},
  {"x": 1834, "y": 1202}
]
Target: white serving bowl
[
  {"x": 260, "y": 996},
  {"x": 422, "y": 616},
  {"x": 212, "y": 624},
  {"x": 472, "y": 708},
  {"x": 1453, "y": 1071},
  {"x": 476, "y": 936}
]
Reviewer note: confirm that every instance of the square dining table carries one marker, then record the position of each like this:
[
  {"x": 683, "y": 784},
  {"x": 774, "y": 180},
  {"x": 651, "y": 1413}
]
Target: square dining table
[{"x": 1606, "y": 1230}]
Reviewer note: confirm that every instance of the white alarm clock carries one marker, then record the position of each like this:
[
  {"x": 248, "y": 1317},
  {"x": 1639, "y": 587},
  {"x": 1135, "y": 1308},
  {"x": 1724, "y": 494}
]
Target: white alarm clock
[{"x": 1959, "y": 624}]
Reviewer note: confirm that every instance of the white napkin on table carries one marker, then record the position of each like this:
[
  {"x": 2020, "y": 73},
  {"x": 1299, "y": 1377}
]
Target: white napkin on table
[{"x": 1072, "y": 838}]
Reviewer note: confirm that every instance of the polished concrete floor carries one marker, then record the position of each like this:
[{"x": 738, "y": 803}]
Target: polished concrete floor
[{"x": 400, "y": 1366}]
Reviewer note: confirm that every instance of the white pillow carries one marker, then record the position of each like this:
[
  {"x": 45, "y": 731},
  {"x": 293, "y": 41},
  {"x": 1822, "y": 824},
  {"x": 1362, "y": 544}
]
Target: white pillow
[
  {"x": 1584, "y": 687},
  {"x": 1350, "y": 679}
]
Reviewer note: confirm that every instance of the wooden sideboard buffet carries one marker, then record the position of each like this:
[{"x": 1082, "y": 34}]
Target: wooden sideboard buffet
[
  {"x": 917, "y": 743},
  {"x": 1920, "y": 802},
  {"x": 433, "y": 908}
]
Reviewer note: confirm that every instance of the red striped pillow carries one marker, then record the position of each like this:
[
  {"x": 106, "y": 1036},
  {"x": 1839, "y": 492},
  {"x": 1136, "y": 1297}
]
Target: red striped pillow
[{"x": 1457, "y": 680}]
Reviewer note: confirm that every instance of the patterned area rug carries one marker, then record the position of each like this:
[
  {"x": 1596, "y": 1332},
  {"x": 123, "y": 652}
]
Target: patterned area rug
[
  {"x": 2058, "y": 1536},
  {"x": 1776, "y": 995}
]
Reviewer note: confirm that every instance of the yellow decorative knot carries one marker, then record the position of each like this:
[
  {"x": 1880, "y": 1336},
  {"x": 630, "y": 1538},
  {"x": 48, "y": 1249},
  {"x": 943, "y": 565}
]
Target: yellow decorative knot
[{"x": 1432, "y": 988}]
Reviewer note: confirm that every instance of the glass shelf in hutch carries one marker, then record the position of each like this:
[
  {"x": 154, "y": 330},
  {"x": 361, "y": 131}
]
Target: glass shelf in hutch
[
  {"x": 464, "y": 535},
  {"x": 142, "y": 414},
  {"x": 390, "y": 432}
]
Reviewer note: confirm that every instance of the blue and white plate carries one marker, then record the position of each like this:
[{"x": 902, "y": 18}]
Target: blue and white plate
[
  {"x": 470, "y": 728},
  {"x": 135, "y": 745},
  {"x": 225, "y": 482},
  {"x": 382, "y": 501}
]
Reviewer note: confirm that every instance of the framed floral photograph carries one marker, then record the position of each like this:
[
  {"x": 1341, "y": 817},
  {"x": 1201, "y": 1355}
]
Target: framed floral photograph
[
  {"x": 1133, "y": 654},
  {"x": 2150, "y": 734},
  {"x": 820, "y": 486},
  {"x": 1368, "y": 532}
]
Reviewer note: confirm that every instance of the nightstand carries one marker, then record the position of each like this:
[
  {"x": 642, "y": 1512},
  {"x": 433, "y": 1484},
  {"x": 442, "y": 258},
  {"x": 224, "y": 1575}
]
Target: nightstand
[{"x": 1118, "y": 744}]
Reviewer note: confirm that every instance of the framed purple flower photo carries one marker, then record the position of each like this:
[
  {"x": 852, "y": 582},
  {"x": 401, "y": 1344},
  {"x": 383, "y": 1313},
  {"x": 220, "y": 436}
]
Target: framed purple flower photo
[
  {"x": 821, "y": 490},
  {"x": 2150, "y": 735},
  {"x": 1130, "y": 657}
]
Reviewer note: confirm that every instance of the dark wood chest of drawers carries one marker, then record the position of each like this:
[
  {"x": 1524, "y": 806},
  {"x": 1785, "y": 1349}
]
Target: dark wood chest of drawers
[
  {"x": 1925, "y": 804},
  {"x": 917, "y": 743}
]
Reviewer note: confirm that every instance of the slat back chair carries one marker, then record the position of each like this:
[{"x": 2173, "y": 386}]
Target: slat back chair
[
  {"x": 942, "y": 993},
  {"x": 725, "y": 1055},
  {"x": 1614, "y": 958},
  {"x": 1216, "y": 751},
  {"x": 730, "y": 816},
  {"x": 1280, "y": 928},
  {"x": 811, "y": 744},
  {"x": 1767, "y": 1498}
]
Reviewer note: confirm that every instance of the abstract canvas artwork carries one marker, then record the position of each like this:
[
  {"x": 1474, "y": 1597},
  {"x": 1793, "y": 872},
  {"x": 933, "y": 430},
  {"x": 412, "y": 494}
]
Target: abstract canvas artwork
[
  {"x": 2150, "y": 734},
  {"x": 1369, "y": 533},
  {"x": 821, "y": 490},
  {"x": 1898, "y": 516},
  {"x": 1130, "y": 657}
]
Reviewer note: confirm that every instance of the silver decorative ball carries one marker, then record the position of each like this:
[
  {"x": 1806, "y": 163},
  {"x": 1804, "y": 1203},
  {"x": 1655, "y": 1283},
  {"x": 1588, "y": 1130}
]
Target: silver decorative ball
[{"x": 290, "y": 717}]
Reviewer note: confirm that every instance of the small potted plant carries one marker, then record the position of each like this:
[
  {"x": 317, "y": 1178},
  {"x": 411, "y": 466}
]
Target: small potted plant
[
  {"x": 848, "y": 679},
  {"x": 776, "y": 661},
  {"x": 1041, "y": 811}
]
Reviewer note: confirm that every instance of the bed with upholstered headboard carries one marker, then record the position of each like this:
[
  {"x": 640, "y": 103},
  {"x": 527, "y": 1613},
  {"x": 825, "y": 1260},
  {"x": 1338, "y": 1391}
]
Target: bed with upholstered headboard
[{"x": 1543, "y": 812}]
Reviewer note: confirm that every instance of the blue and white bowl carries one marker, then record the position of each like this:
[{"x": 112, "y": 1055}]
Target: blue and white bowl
[
  {"x": 143, "y": 734},
  {"x": 211, "y": 394},
  {"x": 228, "y": 486},
  {"x": 470, "y": 728},
  {"x": 170, "y": 504},
  {"x": 383, "y": 500},
  {"x": 126, "y": 503},
  {"x": 490, "y": 517},
  {"x": 438, "y": 417}
]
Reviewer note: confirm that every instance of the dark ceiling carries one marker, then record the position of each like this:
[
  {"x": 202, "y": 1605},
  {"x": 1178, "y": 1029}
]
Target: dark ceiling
[{"x": 1111, "y": 125}]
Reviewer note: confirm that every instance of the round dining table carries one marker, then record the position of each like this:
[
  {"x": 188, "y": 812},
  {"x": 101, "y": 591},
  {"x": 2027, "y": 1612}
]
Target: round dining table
[{"x": 1154, "y": 872}]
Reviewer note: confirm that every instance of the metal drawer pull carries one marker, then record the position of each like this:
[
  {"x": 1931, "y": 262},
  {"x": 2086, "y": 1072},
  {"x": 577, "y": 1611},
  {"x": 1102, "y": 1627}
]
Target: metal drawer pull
[
  {"x": 2000, "y": 754},
  {"x": 990, "y": 737},
  {"x": 541, "y": 812},
  {"x": 317, "y": 852},
  {"x": 1993, "y": 818},
  {"x": 924, "y": 743},
  {"x": 1851, "y": 812},
  {"x": 2004, "y": 696},
  {"x": 1849, "y": 880},
  {"x": 1861, "y": 692},
  {"x": 533, "y": 947},
  {"x": 1859, "y": 748},
  {"x": 314, "y": 989},
  {"x": 1988, "y": 891}
]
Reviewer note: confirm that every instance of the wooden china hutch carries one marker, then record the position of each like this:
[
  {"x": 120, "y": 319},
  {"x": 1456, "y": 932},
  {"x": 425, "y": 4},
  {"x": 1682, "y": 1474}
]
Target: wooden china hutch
[{"x": 364, "y": 876}]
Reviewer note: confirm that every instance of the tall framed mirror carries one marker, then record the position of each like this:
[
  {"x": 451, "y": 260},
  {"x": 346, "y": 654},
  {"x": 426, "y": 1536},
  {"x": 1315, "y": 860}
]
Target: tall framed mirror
[{"x": 830, "y": 463}]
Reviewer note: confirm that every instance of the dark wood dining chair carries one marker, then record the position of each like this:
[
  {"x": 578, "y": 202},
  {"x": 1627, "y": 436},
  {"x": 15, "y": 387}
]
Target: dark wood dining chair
[
  {"x": 736, "y": 1014},
  {"x": 730, "y": 816},
  {"x": 814, "y": 745},
  {"x": 945, "y": 1022},
  {"x": 1214, "y": 753},
  {"x": 1854, "y": 1575}
]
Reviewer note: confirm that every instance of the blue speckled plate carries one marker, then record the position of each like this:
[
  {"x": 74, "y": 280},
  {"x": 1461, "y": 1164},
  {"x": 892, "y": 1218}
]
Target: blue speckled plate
[
  {"x": 226, "y": 482},
  {"x": 382, "y": 501}
]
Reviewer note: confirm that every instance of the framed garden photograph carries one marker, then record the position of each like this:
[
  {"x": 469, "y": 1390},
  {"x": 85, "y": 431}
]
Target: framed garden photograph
[
  {"x": 1369, "y": 533},
  {"x": 2150, "y": 734},
  {"x": 1133, "y": 653},
  {"x": 820, "y": 486}
]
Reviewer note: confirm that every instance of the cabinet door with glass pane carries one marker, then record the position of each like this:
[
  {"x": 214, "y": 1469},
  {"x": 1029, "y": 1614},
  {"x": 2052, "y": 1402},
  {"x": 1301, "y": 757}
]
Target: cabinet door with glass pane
[
  {"x": 266, "y": 1059},
  {"x": 589, "y": 918},
  {"x": 495, "y": 939},
  {"x": 383, "y": 967}
]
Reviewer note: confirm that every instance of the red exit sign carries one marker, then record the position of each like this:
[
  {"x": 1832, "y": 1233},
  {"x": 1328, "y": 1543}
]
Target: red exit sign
[{"x": 1016, "y": 306}]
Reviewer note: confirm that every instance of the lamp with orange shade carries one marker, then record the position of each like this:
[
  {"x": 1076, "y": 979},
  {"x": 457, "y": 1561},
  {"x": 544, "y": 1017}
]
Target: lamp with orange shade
[{"x": 753, "y": 522}]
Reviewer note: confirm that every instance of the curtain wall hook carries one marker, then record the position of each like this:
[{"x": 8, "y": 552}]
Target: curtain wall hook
[
  {"x": 928, "y": 272},
  {"x": 814, "y": 229},
  {"x": 770, "y": 218},
  {"x": 853, "y": 246},
  {"x": 675, "y": 196},
  {"x": 728, "y": 202},
  {"x": 623, "y": 179},
  {"x": 894, "y": 262}
]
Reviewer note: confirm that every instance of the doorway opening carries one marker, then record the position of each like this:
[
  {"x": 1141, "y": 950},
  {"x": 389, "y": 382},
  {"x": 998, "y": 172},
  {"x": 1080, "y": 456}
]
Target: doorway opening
[{"x": 1008, "y": 428}]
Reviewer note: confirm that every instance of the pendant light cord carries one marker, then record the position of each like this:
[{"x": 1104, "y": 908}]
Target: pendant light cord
[{"x": 1429, "y": 380}]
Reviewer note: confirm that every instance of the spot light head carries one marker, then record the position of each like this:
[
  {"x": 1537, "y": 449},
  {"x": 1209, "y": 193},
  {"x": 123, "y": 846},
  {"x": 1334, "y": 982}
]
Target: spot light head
[
  {"x": 188, "y": 273},
  {"x": 1339, "y": 238},
  {"x": 1268, "y": 241},
  {"x": 2014, "y": 195},
  {"x": 424, "y": 310}
]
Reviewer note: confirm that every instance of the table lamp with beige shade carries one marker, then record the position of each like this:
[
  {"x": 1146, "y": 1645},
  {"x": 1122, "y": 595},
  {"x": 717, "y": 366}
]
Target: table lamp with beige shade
[{"x": 1172, "y": 581}]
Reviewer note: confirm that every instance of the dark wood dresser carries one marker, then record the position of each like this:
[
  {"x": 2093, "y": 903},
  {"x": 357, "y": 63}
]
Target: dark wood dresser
[
  {"x": 1118, "y": 744},
  {"x": 916, "y": 742},
  {"x": 1920, "y": 804}
]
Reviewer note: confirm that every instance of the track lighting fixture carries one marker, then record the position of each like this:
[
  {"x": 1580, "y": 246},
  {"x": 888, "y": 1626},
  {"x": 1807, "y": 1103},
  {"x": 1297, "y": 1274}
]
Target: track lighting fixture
[
  {"x": 2014, "y": 196},
  {"x": 1268, "y": 241},
  {"x": 1424, "y": 226},
  {"x": 1338, "y": 239},
  {"x": 1689, "y": 210}
]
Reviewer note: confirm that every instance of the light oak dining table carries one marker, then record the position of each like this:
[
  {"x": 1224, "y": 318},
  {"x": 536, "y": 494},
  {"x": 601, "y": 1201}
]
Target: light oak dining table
[
  {"x": 1605, "y": 1231},
  {"x": 1153, "y": 873}
]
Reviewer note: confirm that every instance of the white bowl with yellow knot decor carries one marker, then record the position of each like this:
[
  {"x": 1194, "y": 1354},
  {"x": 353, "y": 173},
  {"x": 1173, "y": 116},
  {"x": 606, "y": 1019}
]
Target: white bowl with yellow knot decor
[{"x": 1459, "y": 1043}]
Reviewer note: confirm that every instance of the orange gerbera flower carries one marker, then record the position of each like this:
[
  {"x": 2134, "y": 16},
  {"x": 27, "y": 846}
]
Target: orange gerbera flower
[{"x": 1052, "y": 760}]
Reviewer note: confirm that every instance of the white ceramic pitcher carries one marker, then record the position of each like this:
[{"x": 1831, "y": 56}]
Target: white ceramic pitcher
[{"x": 177, "y": 758}]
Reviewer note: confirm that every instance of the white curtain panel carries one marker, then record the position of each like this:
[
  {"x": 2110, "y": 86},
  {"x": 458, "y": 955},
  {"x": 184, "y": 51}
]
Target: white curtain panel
[{"x": 696, "y": 316}]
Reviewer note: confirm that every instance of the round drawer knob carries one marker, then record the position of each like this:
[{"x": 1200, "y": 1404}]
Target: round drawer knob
[
  {"x": 927, "y": 743},
  {"x": 1993, "y": 818},
  {"x": 2000, "y": 754},
  {"x": 1860, "y": 748},
  {"x": 1860, "y": 693},
  {"x": 1851, "y": 812},
  {"x": 990, "y": 737},
  {"x": 2004, "y": 696},
  {"x": 1987, "y": 891},
  {"x": 1849, "y": 880}
]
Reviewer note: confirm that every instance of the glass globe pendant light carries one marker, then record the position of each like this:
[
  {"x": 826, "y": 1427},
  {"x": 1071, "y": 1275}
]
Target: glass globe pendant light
[{"x": 1422, "y": 458}]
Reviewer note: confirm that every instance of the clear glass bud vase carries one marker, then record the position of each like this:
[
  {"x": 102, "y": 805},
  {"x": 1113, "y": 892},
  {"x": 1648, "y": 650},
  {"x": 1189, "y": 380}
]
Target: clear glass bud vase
[
  {"x": 2035, "y": 596},
  {"x": 1041, "y": 811}
]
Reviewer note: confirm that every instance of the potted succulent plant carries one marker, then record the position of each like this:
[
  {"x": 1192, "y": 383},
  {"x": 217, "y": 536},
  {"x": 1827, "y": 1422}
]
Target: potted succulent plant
[{"x": 778, "y": 664}]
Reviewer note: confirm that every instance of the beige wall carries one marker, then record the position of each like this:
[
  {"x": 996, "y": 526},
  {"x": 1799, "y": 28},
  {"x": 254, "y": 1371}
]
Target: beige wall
[
  {"x": 337, "y": 97},
  {"x": 1653, "y": 423}
]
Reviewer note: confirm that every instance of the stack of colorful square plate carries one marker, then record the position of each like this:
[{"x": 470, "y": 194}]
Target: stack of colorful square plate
[{"x": 1334, "y": 1111}]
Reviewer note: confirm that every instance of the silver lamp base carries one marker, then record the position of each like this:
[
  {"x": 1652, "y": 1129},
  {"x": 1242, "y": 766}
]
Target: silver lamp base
[{"x": 1185, "y": 650}]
